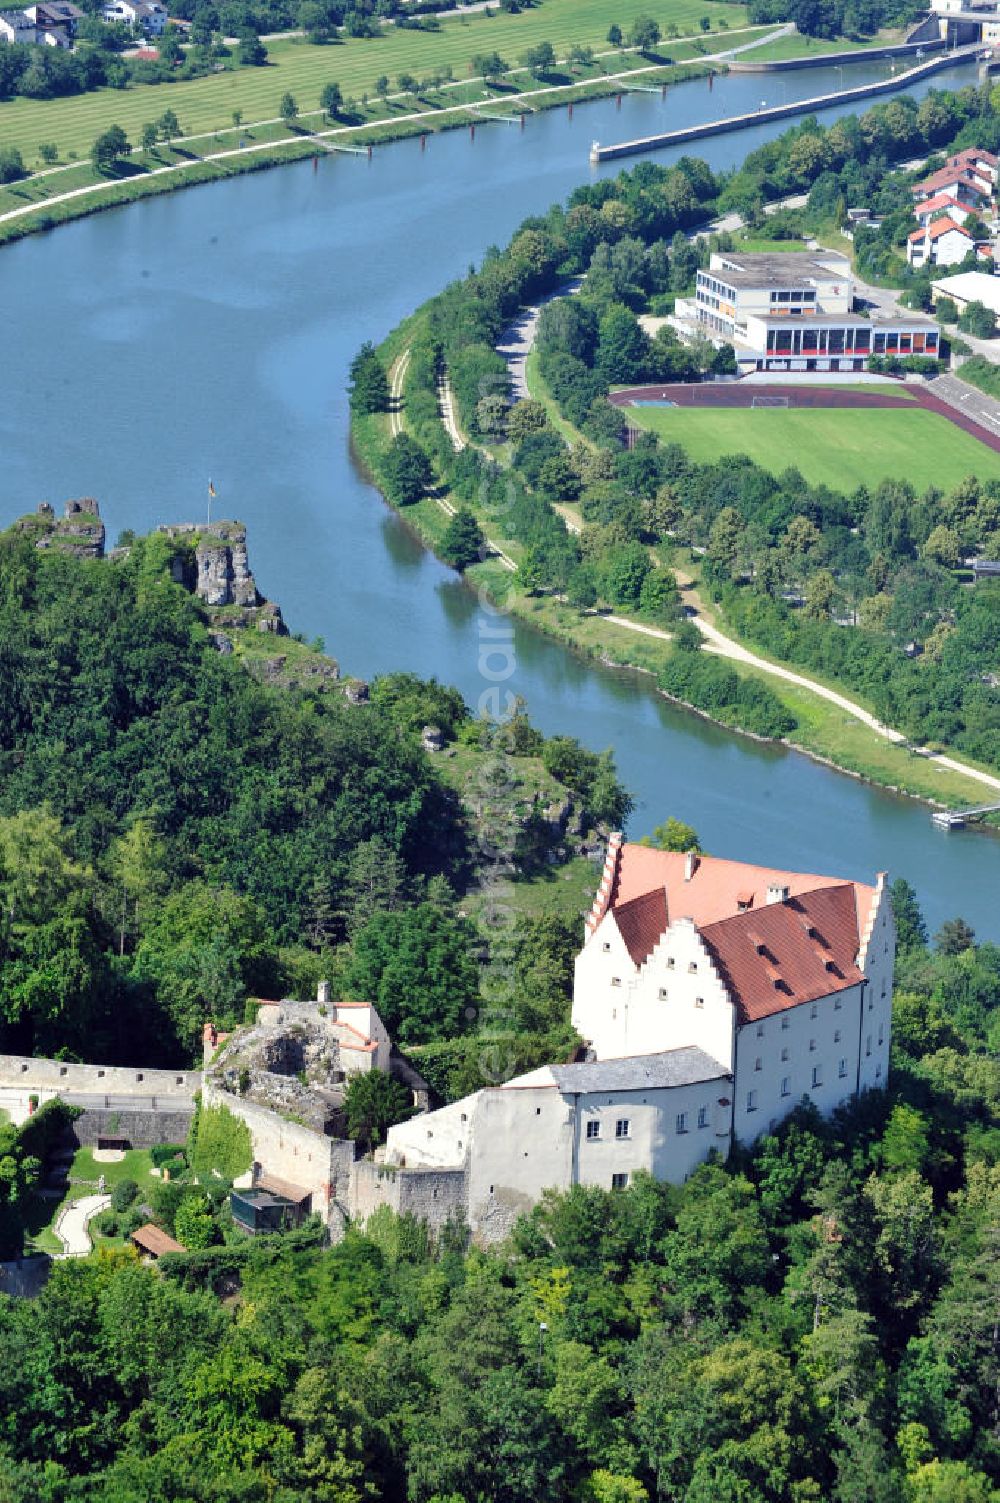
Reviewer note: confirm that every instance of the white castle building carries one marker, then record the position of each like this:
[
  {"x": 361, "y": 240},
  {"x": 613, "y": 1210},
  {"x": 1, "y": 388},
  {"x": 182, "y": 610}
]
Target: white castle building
[{"x": 712, "y": 996}]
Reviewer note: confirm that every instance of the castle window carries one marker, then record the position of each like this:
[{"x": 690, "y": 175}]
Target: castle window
[
  {"x": 670, "y": 962},
  {"x": 538, "y": 1111},
  {"x": 786, "y": 1085},
  {"x": 699, "y": 1001},
  {"x": 784, "y": 1055},
  {"x": 692, "y": 966},
  {"x": 883, "y": 988},
  {"x": 836, "y": 1035},
  {"x": 785, "y": 1025},
  {"x": 836, "y": 1004},
  {"x": 703, "y": 1116},
  {"x": 868, "y": 1045},
  {"x": 814, "y": 1011},
  {"x": 616, "y": 981},
  {"x": 663, "y": 993},
  {"x": 139, "y": 1077},
  {"x": 842, "y": 1068},
  {"x": 751, "y": 1101},
  {"x": 180, "y": 1080},
  {"x": 881, "y": 1033},
  {"x": 62, "y": 1071},
  {"x": 758, "y": 1063},
  {"x": 619, "y": 1182},
  {"x": 682, "y": 1121},
  {"x": 812, "y": 1046},
  {"x": 465, "y": 1117},
  {"x": 593, "y": 1130},
  {"x": 878, "y": 1072},
  {"x": 760, "y": 1030},
  {"x": 817, "y": 1075},
  {"x": 623, "y": 1128},
  {"x": 606, "y": 948}
]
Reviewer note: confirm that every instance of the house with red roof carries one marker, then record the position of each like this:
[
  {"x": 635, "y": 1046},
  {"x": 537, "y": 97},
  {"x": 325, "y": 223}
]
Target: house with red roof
[
  {"x": 940, "y": 243},
  {"x": 958, "y": 182},
  {"x": 712, "y": 997},
  {"x": 982, "y": 165},
  {"x": 940, "y": 204}
]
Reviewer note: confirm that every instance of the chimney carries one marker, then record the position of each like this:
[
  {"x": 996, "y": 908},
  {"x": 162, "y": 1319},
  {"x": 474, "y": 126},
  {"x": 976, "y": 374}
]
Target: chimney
[
  {"x": 690, "y": 865},
  {"x": 776, "y": 893},
  {"x": 323, "y": 992}
]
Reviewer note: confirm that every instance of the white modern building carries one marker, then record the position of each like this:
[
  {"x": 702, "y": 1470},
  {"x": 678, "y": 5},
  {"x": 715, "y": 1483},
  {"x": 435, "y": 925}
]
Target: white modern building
[
  {"x": 142, "y": 15},
  {"x": 793, "y": 311},
  {"x": 712, "y": 996}
]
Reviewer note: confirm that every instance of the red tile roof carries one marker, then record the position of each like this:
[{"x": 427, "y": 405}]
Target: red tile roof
[
  {"x": 942, "y": 226},
  {"x": 948, "y": 176},
  {"x": 641, "y": 921},
  {"x": 940, "y": 203},
  {"x": 771, "y": 956},
  {"x": 788, "y": 953},
  {"x": 973, "y": 154}
]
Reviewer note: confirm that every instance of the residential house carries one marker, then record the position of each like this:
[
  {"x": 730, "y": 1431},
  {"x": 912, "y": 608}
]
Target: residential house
[
  {"x": 942, "y": 243},
  {"x": 982, "y": 165},
  {"x": 17, "y": 26},
  {"x": 958, "y": 182},
  {"x": 141, "y": 15},
  {"x": 941, "y": 203},
  {"x": 56, "y": 21}
]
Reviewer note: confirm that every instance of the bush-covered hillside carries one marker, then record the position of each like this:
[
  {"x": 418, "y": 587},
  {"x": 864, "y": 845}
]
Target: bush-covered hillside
[{"x": 177, "y": 835}]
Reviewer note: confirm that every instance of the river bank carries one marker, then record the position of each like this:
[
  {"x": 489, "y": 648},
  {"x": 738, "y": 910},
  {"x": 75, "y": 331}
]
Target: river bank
[{"x": 835, "y": 731}]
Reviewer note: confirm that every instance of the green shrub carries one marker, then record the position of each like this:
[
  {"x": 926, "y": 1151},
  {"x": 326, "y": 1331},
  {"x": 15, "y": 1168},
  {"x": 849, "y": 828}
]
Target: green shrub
[
  {"x": 123, "y": 1194},
  {"x": 166, "y": 1153},
  {"x": 221, "y": 1143}
]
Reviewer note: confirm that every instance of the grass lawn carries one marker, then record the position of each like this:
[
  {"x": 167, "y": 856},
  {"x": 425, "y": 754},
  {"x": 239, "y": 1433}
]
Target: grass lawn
[
  {"x": 837, "y": 447},
  {"x": 207, "y": 104},
  {"x": 798, "y": 46},
  {"x": 43, "y": 1211}
]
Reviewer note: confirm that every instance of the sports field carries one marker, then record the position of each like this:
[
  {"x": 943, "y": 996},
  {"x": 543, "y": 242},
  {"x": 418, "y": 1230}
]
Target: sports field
[
  {"x": 295, "y": 65},
  {"x": 842, "y": 448}
]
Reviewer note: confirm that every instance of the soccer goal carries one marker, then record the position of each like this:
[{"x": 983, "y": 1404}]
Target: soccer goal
[{"x": 771, "y": 401}]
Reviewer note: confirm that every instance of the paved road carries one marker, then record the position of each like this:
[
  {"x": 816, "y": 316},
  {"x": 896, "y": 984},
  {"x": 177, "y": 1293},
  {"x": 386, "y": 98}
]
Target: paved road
[
  {"x": 71, "y": 1226},
  {"x": 519, "y": 339},
  {"x": 968, "y": 401}
]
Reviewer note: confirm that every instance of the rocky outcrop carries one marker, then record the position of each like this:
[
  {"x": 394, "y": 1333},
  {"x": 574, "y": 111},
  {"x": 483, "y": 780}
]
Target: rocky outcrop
[
  {"x": 78, "y": 532},
  {"x": 291, "y": 1066},
  {"x": 214, "y": 565}
]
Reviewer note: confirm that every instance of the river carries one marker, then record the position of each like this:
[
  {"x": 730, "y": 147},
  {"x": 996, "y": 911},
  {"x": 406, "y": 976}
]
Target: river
[{"x": 208, "y": 334}]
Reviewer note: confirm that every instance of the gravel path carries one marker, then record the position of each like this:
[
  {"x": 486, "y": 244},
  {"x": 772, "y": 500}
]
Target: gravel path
[{"x": 71, "y": 1225}]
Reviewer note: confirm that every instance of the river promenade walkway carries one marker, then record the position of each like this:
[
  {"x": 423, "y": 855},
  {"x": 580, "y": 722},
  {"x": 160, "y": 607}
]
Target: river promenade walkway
[{"x": 471, "y": 113}]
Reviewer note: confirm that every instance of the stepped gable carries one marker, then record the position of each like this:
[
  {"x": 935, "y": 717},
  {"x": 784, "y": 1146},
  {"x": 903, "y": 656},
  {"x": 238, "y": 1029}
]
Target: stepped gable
[
  {"x": 716, "y": 888},
  {"x": 790, "y": 952},
  {"x": 641, "y": 921}
]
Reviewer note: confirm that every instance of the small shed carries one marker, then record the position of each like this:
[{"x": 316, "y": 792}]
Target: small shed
[
  {"x": 152, "y": 1241},
  {"x": 270, "y": 1205}
]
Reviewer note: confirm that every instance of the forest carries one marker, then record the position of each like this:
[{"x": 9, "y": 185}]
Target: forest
[
  {"x": 813, "y": 1321},
  {"x": 177, "y": 835},
  {"x": 867, "y": 588}
]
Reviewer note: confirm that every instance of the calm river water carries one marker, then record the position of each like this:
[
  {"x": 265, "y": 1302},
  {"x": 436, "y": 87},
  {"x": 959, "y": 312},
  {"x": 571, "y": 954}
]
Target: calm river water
[{"x": 208, "y": 334}]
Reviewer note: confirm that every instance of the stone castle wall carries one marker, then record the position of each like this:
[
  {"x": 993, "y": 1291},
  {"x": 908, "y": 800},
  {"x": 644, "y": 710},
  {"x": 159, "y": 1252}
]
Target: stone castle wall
[
  {"x": 49, "y": 1077},
  {"x": 433, "y": 1195},
  {"x": 142, "y": 1129}
]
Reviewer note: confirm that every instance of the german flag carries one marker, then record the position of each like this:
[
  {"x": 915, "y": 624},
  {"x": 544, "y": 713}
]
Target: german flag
[{"x": 211, "y": 491}]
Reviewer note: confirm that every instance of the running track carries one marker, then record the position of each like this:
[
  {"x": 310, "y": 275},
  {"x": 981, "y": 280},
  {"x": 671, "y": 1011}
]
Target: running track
[{"x": 712, "y": 394}]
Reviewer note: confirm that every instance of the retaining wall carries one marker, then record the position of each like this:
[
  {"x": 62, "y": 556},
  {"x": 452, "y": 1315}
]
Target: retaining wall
[
  {"x": 900, "y": 82},
  {"x": 143, "y": 1129}
]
